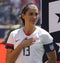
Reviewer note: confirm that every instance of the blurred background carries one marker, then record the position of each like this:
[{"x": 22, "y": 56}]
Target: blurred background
[{"x": 10, "y": 14}]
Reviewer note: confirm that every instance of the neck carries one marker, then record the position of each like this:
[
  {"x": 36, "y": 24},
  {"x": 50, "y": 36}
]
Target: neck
[{"x": 29, "y": 29}]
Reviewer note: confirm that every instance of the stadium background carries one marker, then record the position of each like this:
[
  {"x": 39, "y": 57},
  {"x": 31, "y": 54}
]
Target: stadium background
[{"x": 44, "y": 22}]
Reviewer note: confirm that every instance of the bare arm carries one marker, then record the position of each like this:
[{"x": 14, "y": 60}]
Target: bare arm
[
  {"x": 12, "y": 55},
  {"x": 51, "y": 57}
]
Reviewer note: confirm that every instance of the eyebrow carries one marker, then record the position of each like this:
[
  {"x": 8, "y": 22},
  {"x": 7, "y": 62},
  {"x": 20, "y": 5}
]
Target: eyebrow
[{"x": 32, "y": 13}]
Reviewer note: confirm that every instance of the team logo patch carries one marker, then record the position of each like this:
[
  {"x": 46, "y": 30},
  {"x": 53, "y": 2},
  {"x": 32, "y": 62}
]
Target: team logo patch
[
  {"x": 51, "y": 47},
  {"x": 17, "y": 40}
]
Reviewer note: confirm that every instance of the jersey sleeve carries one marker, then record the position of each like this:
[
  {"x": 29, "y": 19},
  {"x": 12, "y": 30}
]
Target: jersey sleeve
[
  {"x": 48, "y": 44},
  {"x": 10, "y": 42}
]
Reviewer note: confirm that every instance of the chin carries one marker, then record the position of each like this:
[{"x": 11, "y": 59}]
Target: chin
[{"x": 35, "y": 22}]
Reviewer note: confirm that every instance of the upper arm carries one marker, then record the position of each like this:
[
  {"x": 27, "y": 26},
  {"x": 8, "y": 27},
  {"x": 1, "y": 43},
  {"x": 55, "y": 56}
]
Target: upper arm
[
  {"x": 52, "y": 58},
  {"x": 51, "y": 55},
  {"x": 9, "y": 51},
  {"x": 49, "y": 47},
  {"x": 10, "y": 47},
  {"x": 10, "y": 42},
  {"x": 48, "y": 44}
]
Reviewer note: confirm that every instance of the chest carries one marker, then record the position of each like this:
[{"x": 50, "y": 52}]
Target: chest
[{"x": 37, "y": 45}]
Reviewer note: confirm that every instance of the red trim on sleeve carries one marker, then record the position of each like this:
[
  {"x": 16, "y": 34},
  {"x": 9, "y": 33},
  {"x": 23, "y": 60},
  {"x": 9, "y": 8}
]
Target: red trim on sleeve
[{"x": 8, "y": 44}]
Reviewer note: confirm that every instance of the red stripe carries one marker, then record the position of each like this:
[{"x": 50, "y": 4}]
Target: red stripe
[
  {"x": 8, "y": 44},
  {"x": 28, "y": 34}
]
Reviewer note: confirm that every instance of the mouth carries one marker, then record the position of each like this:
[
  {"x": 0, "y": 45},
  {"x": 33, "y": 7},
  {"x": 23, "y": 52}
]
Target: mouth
[{"x": 34, "y": 21}]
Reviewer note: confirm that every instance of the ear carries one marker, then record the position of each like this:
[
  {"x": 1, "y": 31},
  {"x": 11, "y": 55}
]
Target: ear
[{"x": 23, "y": 16}]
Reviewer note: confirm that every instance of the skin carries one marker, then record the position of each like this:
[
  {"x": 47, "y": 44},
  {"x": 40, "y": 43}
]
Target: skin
[
  {"x": 30, "y": 21},
  {"x": 29, "y": 27}
]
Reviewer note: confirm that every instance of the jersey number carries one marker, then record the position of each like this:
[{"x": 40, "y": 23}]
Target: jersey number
[{"x": 26, "y": 51}]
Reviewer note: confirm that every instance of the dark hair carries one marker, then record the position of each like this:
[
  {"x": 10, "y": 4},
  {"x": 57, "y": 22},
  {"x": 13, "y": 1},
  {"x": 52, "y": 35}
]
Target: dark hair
[{"x": 24, "y": 10}]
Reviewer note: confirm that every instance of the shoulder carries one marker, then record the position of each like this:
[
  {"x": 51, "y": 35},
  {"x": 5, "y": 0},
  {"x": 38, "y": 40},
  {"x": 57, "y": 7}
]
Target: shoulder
[
  {"x": 41, "y": 30},
  {"x": 44, "y": 35},
  {"x": 17, "y": 31}
]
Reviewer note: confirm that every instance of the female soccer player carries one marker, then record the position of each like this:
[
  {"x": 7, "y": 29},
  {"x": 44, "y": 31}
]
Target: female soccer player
[{"x": 28, "y": 44}]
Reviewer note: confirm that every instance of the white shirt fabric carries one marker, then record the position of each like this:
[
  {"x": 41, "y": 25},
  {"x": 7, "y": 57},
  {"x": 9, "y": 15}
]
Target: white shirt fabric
[{"x": 36, "y": 50}]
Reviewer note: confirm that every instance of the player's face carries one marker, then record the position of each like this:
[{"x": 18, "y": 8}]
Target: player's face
[{"x": 31, "y": 15}]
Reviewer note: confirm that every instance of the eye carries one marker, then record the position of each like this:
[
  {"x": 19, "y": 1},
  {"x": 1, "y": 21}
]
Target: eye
[
  {"x": 36, "y": 14},
  {"x": 31, "y": 14}
]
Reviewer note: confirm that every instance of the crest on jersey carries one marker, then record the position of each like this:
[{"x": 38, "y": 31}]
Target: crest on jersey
[{"x": 51, "y": 47}]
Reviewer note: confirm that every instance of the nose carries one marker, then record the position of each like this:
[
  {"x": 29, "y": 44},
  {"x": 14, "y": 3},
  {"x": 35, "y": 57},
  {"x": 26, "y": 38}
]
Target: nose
[{"x": 34, "y": 17}]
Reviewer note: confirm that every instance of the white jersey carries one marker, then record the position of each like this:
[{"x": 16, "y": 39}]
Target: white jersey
[{"x": 33, "y": 53}]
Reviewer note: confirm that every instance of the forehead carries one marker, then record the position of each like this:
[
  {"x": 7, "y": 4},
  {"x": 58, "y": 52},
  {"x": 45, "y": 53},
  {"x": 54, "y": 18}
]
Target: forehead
[{"x": 33, "y": 8}]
